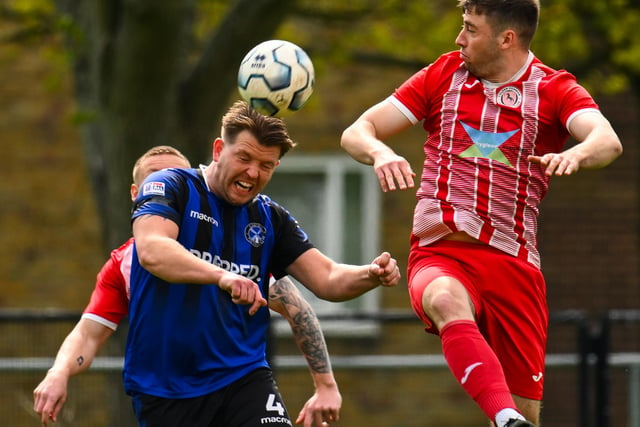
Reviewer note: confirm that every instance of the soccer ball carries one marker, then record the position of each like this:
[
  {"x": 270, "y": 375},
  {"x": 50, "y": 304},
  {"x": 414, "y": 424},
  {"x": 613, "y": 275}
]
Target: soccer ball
[{"x": 276, "y": 78}]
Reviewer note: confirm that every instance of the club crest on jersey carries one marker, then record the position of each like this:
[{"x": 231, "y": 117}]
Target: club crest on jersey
[
  {"x": 255, "y": 234},
  {"x": 153, "y": 188},
  {"x": 510, "y": 96}
]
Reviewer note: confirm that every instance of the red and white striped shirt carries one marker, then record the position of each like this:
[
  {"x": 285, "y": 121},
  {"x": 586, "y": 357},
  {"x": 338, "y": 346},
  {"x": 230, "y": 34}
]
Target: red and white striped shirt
[
  {"x": 476, "y": 177},
  {"x": 110, "y": 298}
]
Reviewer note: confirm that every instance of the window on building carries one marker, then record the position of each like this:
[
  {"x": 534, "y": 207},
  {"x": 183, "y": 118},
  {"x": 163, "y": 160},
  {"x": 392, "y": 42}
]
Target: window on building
[{"x": 337, "y": 202}]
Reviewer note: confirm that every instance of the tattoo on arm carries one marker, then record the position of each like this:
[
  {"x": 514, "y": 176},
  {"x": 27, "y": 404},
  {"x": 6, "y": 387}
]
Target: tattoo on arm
[
  {"x": 309, "y": 338},
  {"x": 80, "y": 360},
  {"x": 304, "y": 325}
]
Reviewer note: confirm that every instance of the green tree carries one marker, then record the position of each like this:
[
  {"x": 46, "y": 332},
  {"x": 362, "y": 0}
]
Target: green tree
[
  {"x": 143, "y": 77},
  {"x": 162, "y": 72}
]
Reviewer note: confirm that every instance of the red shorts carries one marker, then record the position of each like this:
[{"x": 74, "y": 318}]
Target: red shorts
[{"x": 509, "y": 297}]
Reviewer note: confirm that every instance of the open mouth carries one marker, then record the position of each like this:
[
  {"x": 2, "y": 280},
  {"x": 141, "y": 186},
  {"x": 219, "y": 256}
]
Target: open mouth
[{"x": 243, "y": 185}]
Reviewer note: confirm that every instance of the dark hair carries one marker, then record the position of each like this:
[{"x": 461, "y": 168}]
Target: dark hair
[
  {"x": 521, "y": 15},
  {"x": 268, "y": 130}
]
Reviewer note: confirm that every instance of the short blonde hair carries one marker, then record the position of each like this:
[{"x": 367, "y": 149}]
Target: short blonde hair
[{"x": 156, "y": 151}]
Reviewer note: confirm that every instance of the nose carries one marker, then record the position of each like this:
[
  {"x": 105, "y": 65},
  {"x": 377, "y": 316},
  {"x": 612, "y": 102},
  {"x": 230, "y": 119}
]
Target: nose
[
  {"x": 460, "y": 39},
  {"x": 253, "y": 170}
]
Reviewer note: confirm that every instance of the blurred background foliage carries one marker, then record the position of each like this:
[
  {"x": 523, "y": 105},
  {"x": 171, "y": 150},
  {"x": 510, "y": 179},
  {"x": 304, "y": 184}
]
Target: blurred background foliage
[
  {"x": 120, "y": 76},
  {"x": 87, "y": 86},
  {"x": 148, "y": 72}
]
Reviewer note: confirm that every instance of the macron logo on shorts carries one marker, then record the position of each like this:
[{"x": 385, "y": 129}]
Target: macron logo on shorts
[{"x": 153, "y": 189}]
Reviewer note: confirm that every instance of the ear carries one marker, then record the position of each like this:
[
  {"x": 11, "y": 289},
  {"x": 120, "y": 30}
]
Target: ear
[
  {"x": 508, "y": 38},
  {"x": 134, "y": 192},
  {"x": 218, "y": 145}
]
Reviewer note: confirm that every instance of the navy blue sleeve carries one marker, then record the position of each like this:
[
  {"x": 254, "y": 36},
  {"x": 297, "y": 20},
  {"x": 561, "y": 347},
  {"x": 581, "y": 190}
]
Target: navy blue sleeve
[
  {"x": 291, "y": 240},
  {"x": 160, "y": 194}
]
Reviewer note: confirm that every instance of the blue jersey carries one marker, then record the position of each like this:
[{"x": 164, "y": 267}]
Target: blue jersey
[{"x": 187, "y": 340}]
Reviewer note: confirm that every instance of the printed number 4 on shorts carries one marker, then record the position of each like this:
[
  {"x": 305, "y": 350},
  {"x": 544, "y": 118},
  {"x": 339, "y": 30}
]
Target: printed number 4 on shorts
[{"x": 274, "y": 405}]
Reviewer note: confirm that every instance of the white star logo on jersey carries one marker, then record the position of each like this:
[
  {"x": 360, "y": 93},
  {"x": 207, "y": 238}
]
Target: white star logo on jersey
[{"x": 486, "y": 145}]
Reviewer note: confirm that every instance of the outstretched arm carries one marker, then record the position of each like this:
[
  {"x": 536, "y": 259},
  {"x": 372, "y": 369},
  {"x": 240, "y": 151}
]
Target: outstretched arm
[
  {"x": 324, "y": 405},
  {"x": 336, "y": 282},
  {"x": 363, "y": 140},
  {"x": 598, "y": 146},
  {"x": 74, "y": 356}
]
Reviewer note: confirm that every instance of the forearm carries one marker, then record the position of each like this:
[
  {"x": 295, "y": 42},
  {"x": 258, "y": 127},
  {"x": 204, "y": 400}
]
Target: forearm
[
  {"x": 360, "y": 141},
  {"x": 346, "y": 282},
  {"x": 167, "y": 259},
  {"x": 307, "y": 335},
  {"x": 337, "y": 282},
  {"x": 599, "y": 144},
  {"x": 77, "y": 351},
  {"x": 597, "y": 151},
  {"x": 286, "y": 299}
]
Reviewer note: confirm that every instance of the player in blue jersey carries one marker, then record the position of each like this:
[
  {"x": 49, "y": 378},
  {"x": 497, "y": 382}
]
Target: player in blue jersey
[
  {"x": 206, "y": 243},
  {"x": 110, "y": 303}
]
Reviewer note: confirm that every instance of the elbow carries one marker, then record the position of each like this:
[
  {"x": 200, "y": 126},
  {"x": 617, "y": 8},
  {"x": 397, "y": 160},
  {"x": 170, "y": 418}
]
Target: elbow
[
  {"x": 617, "y": 149},
  {"x": 344, "y": 139},
  {"x": 147, "y": 258}
]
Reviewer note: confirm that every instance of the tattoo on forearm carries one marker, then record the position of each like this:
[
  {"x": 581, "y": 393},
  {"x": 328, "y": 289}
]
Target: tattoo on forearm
[
  {"x": 309, "y": 338},
  {"x": 80, "y": 360},
  {"x": 304, "y": 325}
]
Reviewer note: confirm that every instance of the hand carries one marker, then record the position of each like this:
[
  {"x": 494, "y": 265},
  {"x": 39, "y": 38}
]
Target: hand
[
  {"x": 49, "y": 396},
  {"x": 242, "y": 291},
  {"x": 556, "y": 163},
  {"x": 391, "y": 169},
  {"x": 322, "y": 408},
  {"x": 385, "y": 269}
]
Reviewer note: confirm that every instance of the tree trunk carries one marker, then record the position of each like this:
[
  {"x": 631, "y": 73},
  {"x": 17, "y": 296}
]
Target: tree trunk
[{"x": 136, "y": 87}]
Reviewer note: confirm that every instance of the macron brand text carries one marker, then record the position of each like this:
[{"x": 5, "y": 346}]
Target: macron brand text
[{"x": 202, "y": 217}]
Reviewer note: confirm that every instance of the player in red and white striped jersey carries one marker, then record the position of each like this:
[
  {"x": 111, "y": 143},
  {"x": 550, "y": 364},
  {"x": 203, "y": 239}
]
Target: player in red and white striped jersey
[{"x": 497, "y": 121}]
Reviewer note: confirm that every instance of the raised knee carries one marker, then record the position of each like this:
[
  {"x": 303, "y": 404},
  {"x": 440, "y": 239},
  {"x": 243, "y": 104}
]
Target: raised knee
[{"x": 445, "y": 300}]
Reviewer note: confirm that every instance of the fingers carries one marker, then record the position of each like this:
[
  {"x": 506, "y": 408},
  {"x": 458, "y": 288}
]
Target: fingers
[
  {"x": 47, "y": 403},
  {"x": 396, "y": 172},
  {"x": 259, "y": 302},
  {"x": 317, "y": 417},
  {"x": 245, "y": 291},
  {"x": 555, "y": 164},
  {"x": 48, "y": 410},
  {"x": 385, "y": 268}
]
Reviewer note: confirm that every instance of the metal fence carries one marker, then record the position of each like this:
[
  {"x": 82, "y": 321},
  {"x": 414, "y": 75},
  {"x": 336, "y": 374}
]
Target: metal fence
[{"x": 595, "y": 360}]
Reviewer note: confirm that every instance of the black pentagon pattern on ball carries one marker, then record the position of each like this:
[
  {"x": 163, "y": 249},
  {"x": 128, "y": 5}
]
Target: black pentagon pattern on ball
[
  {"x": 287, "y": 78},
  {"x": 279, "y": 81},
  {"x": 264, "y": 106},
  {"x": 298, "y": 99}
]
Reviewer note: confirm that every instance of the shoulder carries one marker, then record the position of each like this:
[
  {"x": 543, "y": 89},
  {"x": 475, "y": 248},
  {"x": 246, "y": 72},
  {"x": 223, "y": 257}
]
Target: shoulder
[
  {"x": 546, "y": 74},
  {"x": 161, "y": 182},
  {"x": 125, "y": 248}
]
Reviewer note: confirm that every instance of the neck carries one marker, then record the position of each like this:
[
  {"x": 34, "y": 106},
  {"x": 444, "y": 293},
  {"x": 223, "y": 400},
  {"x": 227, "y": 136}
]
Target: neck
[{"x": 512, "y": 68}]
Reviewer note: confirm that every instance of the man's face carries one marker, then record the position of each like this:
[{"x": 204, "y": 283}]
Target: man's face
[
  {"x": 243, "y": 168},
  {"x": 479, "y": 47}
]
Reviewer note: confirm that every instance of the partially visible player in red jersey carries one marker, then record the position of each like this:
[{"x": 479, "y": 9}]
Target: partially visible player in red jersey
[
  {"x": 497, "y": 121},
  {"x": 109, "y": 303}
]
